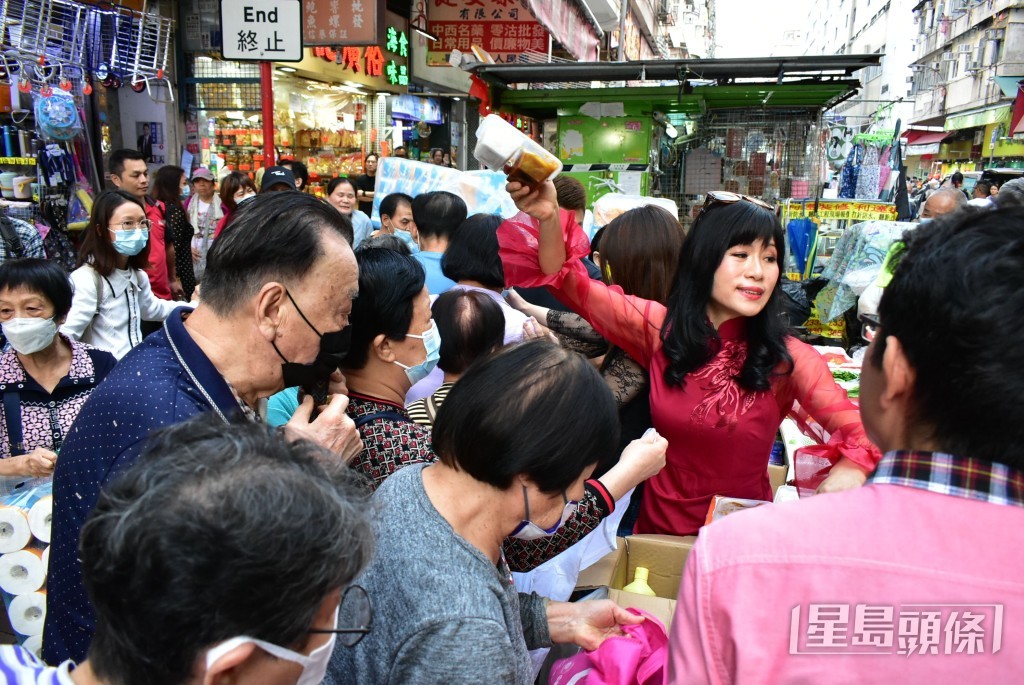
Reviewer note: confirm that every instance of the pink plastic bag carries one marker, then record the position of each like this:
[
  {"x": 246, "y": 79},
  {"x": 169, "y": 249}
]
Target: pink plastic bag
[{"x": 640, "y": 658}]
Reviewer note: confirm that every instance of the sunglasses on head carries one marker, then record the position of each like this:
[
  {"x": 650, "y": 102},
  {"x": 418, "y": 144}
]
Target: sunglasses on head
[{"x": 724, "y": 197}]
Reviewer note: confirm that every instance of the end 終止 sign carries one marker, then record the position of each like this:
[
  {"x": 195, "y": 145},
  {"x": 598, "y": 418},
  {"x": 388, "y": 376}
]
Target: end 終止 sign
[{"x": 262, "y": 30}]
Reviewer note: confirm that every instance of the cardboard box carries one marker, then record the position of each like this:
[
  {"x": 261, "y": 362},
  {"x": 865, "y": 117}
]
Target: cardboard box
[
  {"x": 664, "y": 556},
  {"x": 777, "y": 476}
]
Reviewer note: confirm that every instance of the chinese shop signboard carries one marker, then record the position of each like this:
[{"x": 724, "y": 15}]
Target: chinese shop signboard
[
  {"x": 372, "y": 64},
  {"x": 342, "y": 22},
  {"x": 504, "y": 28}
]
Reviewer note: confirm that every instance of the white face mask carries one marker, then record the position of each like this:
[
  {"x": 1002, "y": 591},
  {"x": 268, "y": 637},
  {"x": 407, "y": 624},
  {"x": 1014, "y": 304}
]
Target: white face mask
[
  {"x": 528, "y": 530},
  {"x": 314, "y": 666},
  {"x": 29, "y": 335}
]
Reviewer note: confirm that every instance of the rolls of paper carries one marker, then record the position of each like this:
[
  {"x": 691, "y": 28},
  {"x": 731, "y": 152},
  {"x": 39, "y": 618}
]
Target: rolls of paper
[
  {"x": 46, "y": 560},
  {"x": 39, "y": 517},
  {"x": 14, "y": 529},
  {"x": 34, "y": 644},
  {"x": 28, "y": 612},
  {"x": 22, "y": 572}
]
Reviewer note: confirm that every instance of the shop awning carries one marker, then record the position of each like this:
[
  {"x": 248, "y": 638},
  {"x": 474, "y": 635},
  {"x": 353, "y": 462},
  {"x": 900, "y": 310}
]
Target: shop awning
[
  {"x": 991, "y": 115},
  {"x": 571, "y": 25},
  {"x": 725, "y": 71},
  {"x": 926, "y": 137},
  {"x": 777, "y": 96},
  {"x": 1009, "y": 84}
]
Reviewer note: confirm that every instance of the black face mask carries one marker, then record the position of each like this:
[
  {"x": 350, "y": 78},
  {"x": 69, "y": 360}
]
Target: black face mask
[{"x": 334, "y": 348}]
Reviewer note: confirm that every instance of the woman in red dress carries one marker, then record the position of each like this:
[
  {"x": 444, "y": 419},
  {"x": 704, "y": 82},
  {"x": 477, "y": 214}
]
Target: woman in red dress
[{"x": 724, "y": 370}]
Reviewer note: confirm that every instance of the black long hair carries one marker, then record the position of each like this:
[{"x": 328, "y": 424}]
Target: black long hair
[{"x": 689, "y": 340}]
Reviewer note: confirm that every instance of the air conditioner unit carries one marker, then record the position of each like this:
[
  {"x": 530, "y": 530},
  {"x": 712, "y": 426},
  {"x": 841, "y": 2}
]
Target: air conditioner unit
[
  {"x": 974, "y": 65},
  {"x": 995, "y": 34},
  {"x": 948, "y": 56},
  {"x": 960, "y": 5},
  {"x": 965, "y": 49},
  {"x": 935, "y": 66},
  {"x": 910, "y": 79}
]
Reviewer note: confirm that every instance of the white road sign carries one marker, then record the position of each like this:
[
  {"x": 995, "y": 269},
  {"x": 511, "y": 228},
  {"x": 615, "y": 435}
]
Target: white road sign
[{"x": 269, "y": 30}]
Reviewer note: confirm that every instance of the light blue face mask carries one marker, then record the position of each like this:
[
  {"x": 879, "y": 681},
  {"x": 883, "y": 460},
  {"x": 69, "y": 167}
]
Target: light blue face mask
[
  {"x": 432, "y": 343},
  {"x": 130, "y": 243},
  {"x": 406, "y": 237},
  {"x": 185, "y": 193}
]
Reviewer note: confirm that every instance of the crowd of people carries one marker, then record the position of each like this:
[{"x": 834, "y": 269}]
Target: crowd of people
[{"x": 289, "y": 448}]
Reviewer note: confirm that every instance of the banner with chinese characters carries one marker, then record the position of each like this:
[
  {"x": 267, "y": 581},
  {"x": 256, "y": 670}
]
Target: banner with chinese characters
[
  {"x": 342, "y": 22},
  {"x": 504, "y": 28},
  {"x": 857, "y": 211}
]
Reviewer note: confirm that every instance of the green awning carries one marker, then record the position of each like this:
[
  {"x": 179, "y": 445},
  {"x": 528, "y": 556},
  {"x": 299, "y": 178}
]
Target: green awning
[
  {"x": 992, "y": 115},
  {"x": 1008, "y": 84}
]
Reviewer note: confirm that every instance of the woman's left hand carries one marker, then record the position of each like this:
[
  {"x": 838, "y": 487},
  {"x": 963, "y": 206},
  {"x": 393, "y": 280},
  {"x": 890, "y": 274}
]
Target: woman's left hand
[
  {"x": 588, "y": 623},
  {"x": 177, "y": 291},
  {"x": 845, "y": 475}
]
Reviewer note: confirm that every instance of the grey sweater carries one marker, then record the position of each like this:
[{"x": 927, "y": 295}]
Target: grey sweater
[{"x": 442, "y": 611}]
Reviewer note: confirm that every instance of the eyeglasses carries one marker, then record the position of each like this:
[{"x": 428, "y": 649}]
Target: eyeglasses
[
  {"x": 869, "y": 326},
  {"x": 724, "y": 197},
  {"x": 355, "y": 613},
  {"x": 131, "y": 225}
]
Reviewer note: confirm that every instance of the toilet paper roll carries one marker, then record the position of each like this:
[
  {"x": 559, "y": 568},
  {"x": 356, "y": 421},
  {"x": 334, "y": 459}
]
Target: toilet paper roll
[
  {"x": 22, "y": 572},
  {"x": 46, "y": 560},
  {"x": 15, "y": 532},
  {"x": 28, "y": 612},
  {"x": 39, "y": 517},
  {"x": 34, "y": 644}
]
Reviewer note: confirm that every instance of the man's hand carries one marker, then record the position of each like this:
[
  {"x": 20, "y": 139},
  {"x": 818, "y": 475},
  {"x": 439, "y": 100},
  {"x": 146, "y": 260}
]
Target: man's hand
[
  {"x": 540, "y": 203},
  {"x": 588, "y": 623},
  {"x": 333, "y": 429},
  {"x": 845, "y": 475},
  {"x": 337, "y": 384}
]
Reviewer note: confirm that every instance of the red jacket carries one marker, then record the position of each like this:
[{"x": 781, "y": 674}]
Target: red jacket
[{"x": 157, "y": 269}]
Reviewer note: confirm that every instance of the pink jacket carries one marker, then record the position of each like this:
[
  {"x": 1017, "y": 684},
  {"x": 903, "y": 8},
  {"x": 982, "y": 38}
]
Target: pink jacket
[{"x": 837, "y": 589}]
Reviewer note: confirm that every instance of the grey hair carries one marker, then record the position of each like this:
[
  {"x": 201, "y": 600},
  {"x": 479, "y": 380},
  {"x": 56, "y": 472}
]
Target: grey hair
[
  {"x": 1011, "y": 193},
  {"x": 217, "y": 531}
]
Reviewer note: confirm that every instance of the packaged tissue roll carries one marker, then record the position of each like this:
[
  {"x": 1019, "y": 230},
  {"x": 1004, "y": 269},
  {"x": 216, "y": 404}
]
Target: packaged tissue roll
[
  {"x": 28, "y": 612},
  {"x": 22, "y": 572},
  {"x": 14, "y": 529},
  {"x": 39, "y": 518}
]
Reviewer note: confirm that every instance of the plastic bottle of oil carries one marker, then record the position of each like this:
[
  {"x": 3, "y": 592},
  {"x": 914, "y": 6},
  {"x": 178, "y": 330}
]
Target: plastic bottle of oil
[{"x": 639, "y": 585}]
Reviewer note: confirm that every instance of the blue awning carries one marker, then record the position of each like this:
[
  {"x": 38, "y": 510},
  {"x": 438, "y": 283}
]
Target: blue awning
[{"x": 1008, "y": 84}]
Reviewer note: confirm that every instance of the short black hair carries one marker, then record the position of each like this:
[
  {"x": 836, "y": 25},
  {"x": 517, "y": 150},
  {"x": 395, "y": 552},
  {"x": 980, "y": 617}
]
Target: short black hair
[
  {"x": 272, "y": 237},
  {"x": 176, "y": 555},
  {"x": 40, "y": 276},
  {"x": 386, "y": 241},
  {"x": 985, "y": 186},
  {"x": 388, "y": 285},
  {"x": 438, "y": 214},
  {"x": 557, "y": 418},
  {"x": 954, "y": 304},
  {"x": 300, "y": 170},
  {"x": 115, "y": 164},
  {"x": 337, "y": 181},
  {"x": 471, "y": 325},
  {"x": 472, "y": 253},
  {"x": 390, "y": 203},
  {"x": 957, "y": 177}
]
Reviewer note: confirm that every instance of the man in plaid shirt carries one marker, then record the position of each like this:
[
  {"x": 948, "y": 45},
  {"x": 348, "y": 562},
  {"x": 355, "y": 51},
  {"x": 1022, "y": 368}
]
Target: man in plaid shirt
[{"x": 918, "y": 573}]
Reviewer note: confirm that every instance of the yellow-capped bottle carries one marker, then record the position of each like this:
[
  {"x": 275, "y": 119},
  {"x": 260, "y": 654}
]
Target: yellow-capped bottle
[{"x": 639, "y": 585}]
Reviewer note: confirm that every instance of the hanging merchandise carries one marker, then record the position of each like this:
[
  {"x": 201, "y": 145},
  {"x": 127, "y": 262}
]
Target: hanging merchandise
[
  {"x": 57, "y": 116},
  {"x": 851, "y": 170},
  {"x": 867, "y": 179}
]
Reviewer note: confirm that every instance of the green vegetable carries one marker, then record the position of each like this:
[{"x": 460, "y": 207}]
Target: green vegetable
[{"x": 841, "y": 375}]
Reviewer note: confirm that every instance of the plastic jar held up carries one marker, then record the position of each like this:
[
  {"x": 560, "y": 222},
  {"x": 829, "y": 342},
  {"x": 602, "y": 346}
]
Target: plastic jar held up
[{"x": 501, "y": 146}]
